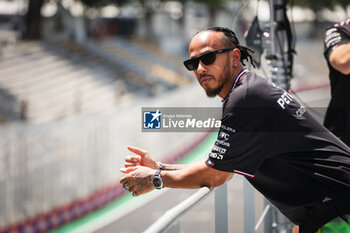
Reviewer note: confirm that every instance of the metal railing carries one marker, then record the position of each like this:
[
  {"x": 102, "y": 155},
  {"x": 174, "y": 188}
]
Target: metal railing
[
  {"x": 274, "y": 222},
  {"x": 170, "y": 220}
]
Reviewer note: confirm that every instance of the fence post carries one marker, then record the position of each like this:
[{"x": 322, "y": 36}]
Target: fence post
[
  {"x": 280, "y": 223},
  {"x": 249, "y": 213},
  {"x": 268, "y": 218},
  {"x": 221, "y": 216}
]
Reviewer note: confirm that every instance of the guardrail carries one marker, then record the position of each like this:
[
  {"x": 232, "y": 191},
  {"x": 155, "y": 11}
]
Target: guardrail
[
  {"x": 170, "y": 217},
  {"x": 274, "y": 222}
]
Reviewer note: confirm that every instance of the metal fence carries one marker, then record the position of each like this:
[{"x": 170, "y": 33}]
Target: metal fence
[{"x": 274, "y": 221}]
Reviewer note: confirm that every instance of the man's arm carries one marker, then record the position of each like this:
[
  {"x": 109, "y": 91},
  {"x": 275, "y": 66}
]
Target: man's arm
[
  {"x": 196, "y": 175},
  {"x": 143, "y": 158},
  {"x": 173, "y": 167},
  {"x": 340, "y": 58}
]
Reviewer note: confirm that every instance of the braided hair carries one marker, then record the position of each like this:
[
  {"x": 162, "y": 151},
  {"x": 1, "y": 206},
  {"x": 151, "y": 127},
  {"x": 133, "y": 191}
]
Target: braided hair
[{"x": 231, "y": 40}]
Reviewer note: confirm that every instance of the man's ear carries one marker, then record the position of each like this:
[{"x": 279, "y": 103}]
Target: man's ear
[{"x": 236, "y": 57}]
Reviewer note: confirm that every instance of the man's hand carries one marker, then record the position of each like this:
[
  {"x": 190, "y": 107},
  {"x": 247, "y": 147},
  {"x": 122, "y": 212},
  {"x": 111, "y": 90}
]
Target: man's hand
[
  {"x": 142, "y": 158},
  {"x": 138, "y": 179},
  {"x": 340, "y": 58}
]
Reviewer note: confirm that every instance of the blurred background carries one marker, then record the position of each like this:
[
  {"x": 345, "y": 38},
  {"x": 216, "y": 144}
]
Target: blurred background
[{"x": 74, "y": 75}]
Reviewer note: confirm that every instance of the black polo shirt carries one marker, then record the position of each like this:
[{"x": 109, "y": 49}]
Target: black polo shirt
[
  {"x": 296, "y": 163},
  {"x": 337, "y": 117}
]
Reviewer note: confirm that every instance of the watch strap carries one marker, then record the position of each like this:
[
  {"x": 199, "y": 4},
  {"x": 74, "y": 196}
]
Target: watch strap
[
  {"x": 160, "y": 166},
  {"x": 157, "y": 172}
]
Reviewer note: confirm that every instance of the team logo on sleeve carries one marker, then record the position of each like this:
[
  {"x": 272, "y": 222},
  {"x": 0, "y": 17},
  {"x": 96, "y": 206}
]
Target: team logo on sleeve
[
  {"x": 284, "y": 100},
  {"x": 152, "y": 119},
  {"x": 209, "y": 162},
  {"x": 332, "y": 37},
  {"x": 299, "y": 114}
]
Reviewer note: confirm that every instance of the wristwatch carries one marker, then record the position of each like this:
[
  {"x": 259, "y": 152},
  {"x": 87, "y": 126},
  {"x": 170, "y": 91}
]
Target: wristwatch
[{"x": 157, "y": 179}]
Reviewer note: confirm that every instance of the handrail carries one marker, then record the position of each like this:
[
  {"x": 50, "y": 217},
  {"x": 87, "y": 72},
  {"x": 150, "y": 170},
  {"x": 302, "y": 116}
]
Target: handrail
[
  {"x": 262, "y": 217},
  {"x": 274, "y": 221},
  {"x": 163, "y": 223}
]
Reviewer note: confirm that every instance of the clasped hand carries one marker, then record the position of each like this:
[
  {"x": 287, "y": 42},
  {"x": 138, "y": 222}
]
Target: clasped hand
[{"x": 139, "y": 171}]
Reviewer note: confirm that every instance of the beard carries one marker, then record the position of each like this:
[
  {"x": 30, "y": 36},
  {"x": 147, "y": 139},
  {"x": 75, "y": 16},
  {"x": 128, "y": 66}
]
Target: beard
[
  {"x": 212, "y": 92},
  {"x": 224, "y": 77}
]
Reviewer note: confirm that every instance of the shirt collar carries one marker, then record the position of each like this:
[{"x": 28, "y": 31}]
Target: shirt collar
[{"x": 244, "y": 71}]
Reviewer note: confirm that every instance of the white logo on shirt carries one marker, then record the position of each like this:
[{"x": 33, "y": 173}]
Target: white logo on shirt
[
  {"x": 285, "y": 98},
  {"x": 216, "y": 156},
  {"x": 221, "y": 142},
  {"x": 228, "y": 128},
  {"x": 332, "y": 37},
  {"x": 224, "y": 136},
  {"x": 300, "y": 113},
  {"x": 219, "y": 149}
]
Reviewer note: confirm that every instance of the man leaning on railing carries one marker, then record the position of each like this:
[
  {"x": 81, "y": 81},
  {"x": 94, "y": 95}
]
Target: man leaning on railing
[{"x": 266, "y": 136}]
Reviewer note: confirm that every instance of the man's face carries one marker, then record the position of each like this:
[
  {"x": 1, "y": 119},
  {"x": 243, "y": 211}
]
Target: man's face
[{"x": 211, "y": 77}]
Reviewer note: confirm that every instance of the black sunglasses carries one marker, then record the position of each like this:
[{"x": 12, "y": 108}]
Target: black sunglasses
[{"x": 206, "y": 58}]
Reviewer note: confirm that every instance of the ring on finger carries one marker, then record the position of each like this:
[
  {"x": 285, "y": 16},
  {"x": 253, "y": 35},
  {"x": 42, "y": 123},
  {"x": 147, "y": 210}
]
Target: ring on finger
[
  {"x": 126, "y": 187},
  {"x": 133, "y": 194}
]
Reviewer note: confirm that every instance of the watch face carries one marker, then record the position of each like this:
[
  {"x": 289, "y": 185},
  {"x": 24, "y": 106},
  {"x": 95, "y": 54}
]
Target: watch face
[{"x": 157, "y": 182}]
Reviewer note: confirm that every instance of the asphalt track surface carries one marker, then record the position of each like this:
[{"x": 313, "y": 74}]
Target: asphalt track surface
[{"x": 311, "y": 84}]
